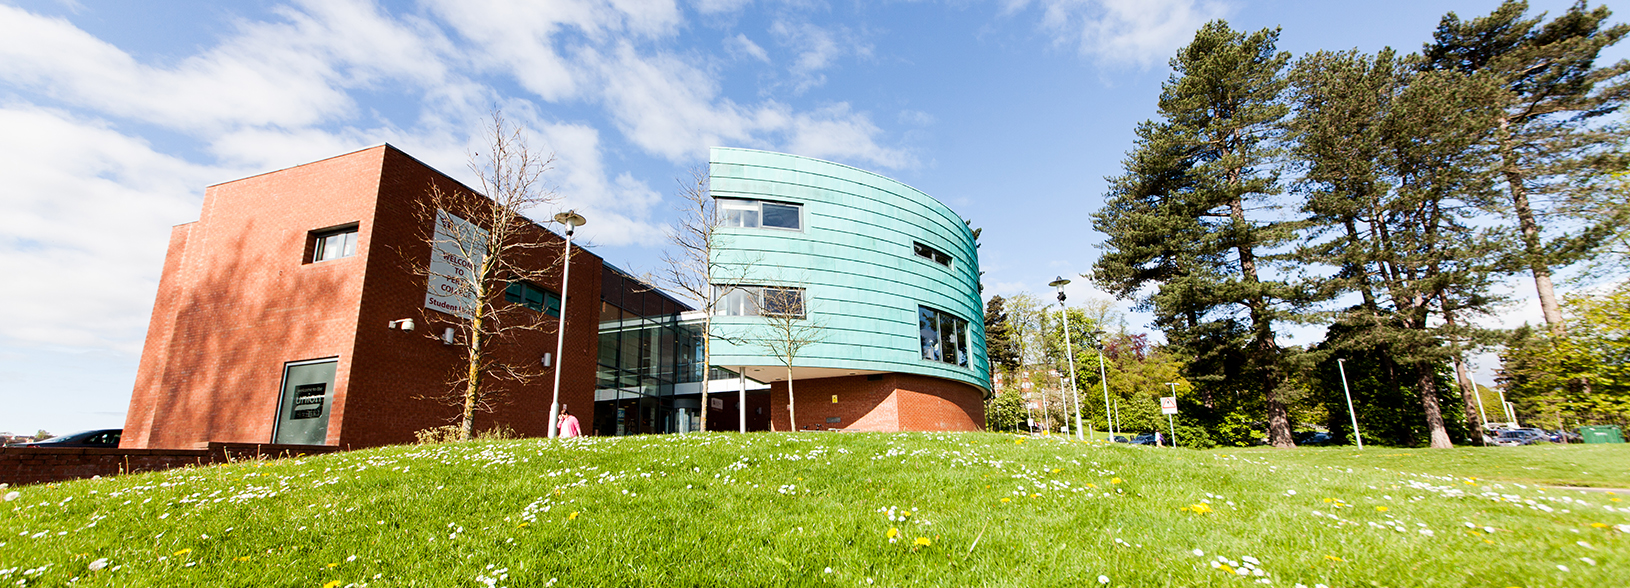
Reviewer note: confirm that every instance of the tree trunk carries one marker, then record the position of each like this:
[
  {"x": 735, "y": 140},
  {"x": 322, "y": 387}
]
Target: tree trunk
[
  {"x": 792, "y": 415},
  {"x": 707, "y": 363},
  {"x": 1429, "y": 402},
  {"x": 1529, "y": 226},
  {"x": 1474, "y": 419},
  {"x": 1266, "y": 352}
]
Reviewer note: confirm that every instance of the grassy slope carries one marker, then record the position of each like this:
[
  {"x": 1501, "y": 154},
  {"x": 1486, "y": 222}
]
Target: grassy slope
[{"x": 775, "y": 509}]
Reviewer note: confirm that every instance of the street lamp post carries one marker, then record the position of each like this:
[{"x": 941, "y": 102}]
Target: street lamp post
[
  {"x": 1103, "y": 378},
  {"x": 1340, "y": 365},
  {"x": 1170, "y": 423},
  {"x": 1069, "y": 353},
  {"x": 572, "y": 220}
]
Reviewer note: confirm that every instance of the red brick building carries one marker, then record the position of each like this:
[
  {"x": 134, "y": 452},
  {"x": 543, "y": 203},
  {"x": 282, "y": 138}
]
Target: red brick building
[{"x": 275, "y": 318}]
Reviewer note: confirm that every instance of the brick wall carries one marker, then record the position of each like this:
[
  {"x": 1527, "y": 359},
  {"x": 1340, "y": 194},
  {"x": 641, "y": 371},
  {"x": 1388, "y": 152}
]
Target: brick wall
[
  {"x": 238, "y": 299},
  {"x": 33, "y": 465},
  {"x": 886, "y": 402}
]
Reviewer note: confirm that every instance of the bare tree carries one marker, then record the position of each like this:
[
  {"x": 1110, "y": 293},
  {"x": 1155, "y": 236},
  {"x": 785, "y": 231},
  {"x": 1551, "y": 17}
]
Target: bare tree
[
  {"x": 787, "y": 331},
  {"x": 481, "y": 244},
  {"x": 691, "y": 268}
]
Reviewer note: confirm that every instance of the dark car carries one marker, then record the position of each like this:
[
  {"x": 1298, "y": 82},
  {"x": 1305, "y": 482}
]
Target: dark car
[
  {"x": 1144, "y": 439},
  {"x": 92, "y": 438},
  {"x": 1513, "y": 437}
]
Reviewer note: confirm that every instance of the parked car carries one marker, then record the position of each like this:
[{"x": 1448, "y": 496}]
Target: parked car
[
  {"x": 1144, "y": 439},
  {"x": 1514, "y": 437},
  {"x": 91, "y": 438},
  {"x": 1120, "y": 439}
]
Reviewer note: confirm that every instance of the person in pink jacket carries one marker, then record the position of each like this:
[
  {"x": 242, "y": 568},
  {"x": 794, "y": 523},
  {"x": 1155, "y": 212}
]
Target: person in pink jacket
[{"x": 568, "y": 425}]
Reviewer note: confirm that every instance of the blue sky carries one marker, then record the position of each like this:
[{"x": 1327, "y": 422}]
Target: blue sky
[{"x": 115, "y": 115}]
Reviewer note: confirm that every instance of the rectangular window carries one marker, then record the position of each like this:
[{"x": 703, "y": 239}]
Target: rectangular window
[
  {"x": 944, "y": 336},
  {"x": 531, "y": 296},
  {"x": 762, "y": 301},
  {"x": 931, "y": 254},
  {"x": 335, "y": 244},
  {"x": 755, "y": 214}
]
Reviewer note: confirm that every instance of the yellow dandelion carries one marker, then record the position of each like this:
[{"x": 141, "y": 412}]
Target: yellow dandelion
[
  {"x": 904, "y": 514},
  {"x": 1091, "y": 485},
  {"x": 1200, "y": 508},
  {"x": 182, "y": 552},
  {"x": 1599, "y": 525},
  {"x": 1380, "y": 509},
  {"x": 331, "y": 584},
  {"x": 923, "y": 541},
  {"x": 1035, "y": 496},
  {"x": 1488, "y": 541},
  {"x": 987, "y": 486},
  {"x": 1018, "y": 441},
  {"x": 332, "y": 565},
  {"x": 1226, "y": 569},
  {"x": 244, "y": 558},
  {"x": 1333, "y": 558},
  {"x": 1185, "y": 509},
  {"x": 520, "y": 525},
  {"x": 1007, "y": 500},
  {"x": 893, "y": 532},
  {"x": 1616, "y": 499},
  {"x": 573, "y": 516},
  {"x": 1056, "y": 470}
]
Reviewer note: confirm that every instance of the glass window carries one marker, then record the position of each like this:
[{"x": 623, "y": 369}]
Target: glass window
[
  {"x": 531, "y": 296},
  {"x": 782, "y": 216},
  {"x": 738, "y": 302},
  {"x": 739, "y": 213},
  {"x": 335, "y": 244},
  {"x": 783, "y": 302},
  {"x": 944, "y": 336},
  {"x": 927, "y": 325},
  {"x": 931, "y": 254},
  {"x": 754, "y": 214},
  {"x": 762, "y": 301}
]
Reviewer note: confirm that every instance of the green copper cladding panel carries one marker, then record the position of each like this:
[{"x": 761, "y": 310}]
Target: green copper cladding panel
[{"x": 855, "y": 258}]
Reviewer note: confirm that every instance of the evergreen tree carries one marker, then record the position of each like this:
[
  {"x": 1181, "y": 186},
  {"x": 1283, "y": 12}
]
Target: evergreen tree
[
  {"x": 1001, "y": 343},
  {"x": 1184, "y": 215},
  {"x": 1548, "y": 131}
]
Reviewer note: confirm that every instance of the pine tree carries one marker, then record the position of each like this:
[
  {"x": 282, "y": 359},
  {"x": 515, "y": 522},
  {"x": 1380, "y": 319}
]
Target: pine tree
[
  {"x": 1185, "y": 214},
  {"x": 1548, "y": 131},
  {"x": 1001, "y": 347}
]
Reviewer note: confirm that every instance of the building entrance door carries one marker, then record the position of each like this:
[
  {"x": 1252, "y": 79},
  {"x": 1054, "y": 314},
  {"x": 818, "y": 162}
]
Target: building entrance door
[{"x": 308, "y": 395}]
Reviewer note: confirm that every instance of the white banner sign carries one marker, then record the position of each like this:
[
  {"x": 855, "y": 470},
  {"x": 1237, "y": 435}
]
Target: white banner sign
[
  {"x": 1168, "y": 405},
  {"x": 458, "y": 250}
]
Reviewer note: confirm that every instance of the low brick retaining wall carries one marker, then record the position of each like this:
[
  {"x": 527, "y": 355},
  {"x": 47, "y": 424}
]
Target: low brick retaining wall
[{"x": 35, "y": 465}]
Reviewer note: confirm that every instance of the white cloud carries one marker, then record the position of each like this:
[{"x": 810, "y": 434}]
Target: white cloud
[
  {"x": 673, "y": 109},
  {"x": 290, "y": 73},
  {"x": 618, "y": 208},
  {"x": 1139, "y": 32},
  {"x": 720, "y": 6},
  {"x": 85, "y": 228},
  {"x": 519, "y": 36},
  {"x": 818, "y": 49},
  {"x": 741, "y": 45}
]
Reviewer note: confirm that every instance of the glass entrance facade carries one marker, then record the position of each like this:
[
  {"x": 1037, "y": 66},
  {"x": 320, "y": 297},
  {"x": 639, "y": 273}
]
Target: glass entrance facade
[{"x": 650, "y": 370}]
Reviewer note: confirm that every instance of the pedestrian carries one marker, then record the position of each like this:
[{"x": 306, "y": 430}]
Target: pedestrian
[
  {"x": 1157, "y": 439},
  {"x": 568, "y": 425}
]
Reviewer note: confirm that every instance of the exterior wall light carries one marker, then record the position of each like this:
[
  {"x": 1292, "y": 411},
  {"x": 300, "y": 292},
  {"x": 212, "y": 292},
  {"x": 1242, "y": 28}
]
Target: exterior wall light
[{"x": 403, "y": 324}]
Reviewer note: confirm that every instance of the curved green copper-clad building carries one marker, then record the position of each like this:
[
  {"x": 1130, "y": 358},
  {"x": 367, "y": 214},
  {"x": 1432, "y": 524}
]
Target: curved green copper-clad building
[{"x": 889, "y": 274}]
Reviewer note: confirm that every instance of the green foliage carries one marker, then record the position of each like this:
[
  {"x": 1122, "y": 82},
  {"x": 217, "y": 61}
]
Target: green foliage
[
  {"x": 1004, "y": 412},
  {"x": 1582, "y": 376},
  {"x": 1184, "y": 216},
  {"x": 1001, "y": 343}
]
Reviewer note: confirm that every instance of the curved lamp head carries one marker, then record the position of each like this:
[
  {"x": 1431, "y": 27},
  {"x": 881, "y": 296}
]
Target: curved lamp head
[
  {"x": 571, "y": 219},
  {"x": 1059, "y": 283}
]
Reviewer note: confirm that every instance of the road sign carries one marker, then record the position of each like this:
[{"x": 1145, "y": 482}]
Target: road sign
[{"x": 1168, "y": 405}]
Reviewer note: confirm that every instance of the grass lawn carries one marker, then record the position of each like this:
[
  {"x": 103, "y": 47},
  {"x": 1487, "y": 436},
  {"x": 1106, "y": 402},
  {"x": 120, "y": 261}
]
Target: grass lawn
[
  {"x": 832, "y": 509},
  {"x": 1601, "y": 466}
]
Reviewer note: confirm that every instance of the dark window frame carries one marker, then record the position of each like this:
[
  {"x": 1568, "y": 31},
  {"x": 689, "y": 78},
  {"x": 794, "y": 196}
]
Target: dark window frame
[
  {"x": 944, "y": 335},
  {"x": 930, "y": 253},
  {"x": 757, "y": 210},
  {"x": 547, "y": 301},
  {"x": 319, "y": 247}
]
